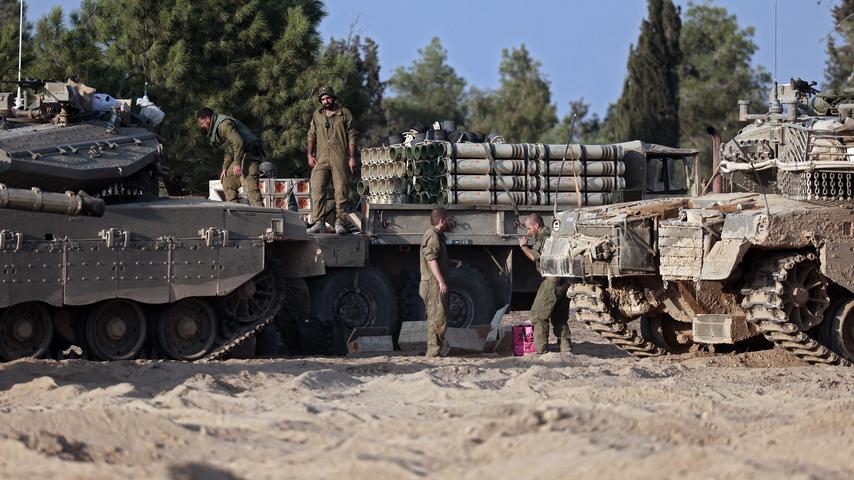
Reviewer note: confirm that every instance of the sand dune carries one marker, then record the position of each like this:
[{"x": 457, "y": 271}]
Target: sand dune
[{"x": 596, "y": 414}]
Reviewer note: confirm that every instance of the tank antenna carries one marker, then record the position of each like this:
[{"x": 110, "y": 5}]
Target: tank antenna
[
  {"x": 19, "y": 102},
  {"x": 775, "y": 39}
]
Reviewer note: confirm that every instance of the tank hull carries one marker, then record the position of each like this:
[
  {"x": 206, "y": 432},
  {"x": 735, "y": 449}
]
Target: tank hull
[{"x": 198, "y": 262}]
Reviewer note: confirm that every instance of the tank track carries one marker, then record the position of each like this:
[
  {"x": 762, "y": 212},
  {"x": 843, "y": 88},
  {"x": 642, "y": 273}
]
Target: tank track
[
  {"x": 589, "y": 305},
  {"x": 241, "y": 332},
  {"x": 242, "y": 335},
  {"x": 763, "y": 303}
]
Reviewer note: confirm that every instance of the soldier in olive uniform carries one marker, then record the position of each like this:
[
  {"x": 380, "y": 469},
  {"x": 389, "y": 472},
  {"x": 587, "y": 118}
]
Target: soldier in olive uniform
[
  {"x": 549, "y": 293},
  {"x": 434, "y": 276},
  {"x": 333, "y": 132},
  {"x": 243, "y": 153}
]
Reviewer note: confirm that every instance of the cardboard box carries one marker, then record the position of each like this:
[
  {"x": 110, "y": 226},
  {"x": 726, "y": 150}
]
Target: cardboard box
[{"x": 369, "y": 339}]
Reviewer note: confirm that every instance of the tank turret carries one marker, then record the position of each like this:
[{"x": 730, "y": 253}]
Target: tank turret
[
  {"x": 769, "y": 263},
  {"x": 69, "y": 138},
  {"x": 802, "y": 147}
]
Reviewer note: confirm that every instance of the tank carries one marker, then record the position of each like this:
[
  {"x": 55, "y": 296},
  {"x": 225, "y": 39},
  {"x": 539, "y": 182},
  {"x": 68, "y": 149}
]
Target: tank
[
  {"x": 772, "y": 264},
  {"x": 178, "y": 278}
]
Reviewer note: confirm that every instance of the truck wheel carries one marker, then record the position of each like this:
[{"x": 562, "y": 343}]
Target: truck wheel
[
  {"x": 353, "y": 298},
  {"x": 471, "y": 299},
  {"x": 267, "y": 342},
  {"x": 411, "y": 305}
]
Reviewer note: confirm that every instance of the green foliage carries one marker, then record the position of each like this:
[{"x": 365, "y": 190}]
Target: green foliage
[
  {"x": 62, "y": 52},
  {"x": 427, "y": 91},
  {"x": 9, "y": 23},
  {"x": 521, "y": 109},
  {"x": 587, "y": 129},
  {"x": 648, "y": 108},
  {"x": 261, "y": 61},
  {"x": 839, "y": 71},
  {"x": 255, "y": 61},
  {"x": 715, "y": 73},
  {"x": 364, "y": 89}
]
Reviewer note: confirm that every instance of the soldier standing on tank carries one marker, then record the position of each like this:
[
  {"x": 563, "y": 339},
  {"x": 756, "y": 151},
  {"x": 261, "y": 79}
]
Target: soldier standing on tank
[
  {"x": 434, "y": 276},
  {"x": 547, "y": 295},
  {"x": 333, "y": 132},
  {"x": 243, "y": 153}
]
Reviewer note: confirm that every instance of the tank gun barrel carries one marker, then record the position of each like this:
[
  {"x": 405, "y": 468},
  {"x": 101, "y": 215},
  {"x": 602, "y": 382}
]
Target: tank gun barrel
[{"x": 68, "y": 203}]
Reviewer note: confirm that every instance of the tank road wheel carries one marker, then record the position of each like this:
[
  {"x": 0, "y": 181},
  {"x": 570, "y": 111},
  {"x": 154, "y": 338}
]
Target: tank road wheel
[
  {"x": 186, "y": 330},
  {"x": 471, "y": 301},
  {"x": 26, "y": 330},
  {"x": 115, "y": 330},
  {"x": 665, "y": 332},
  {"x": 252, "y": 301},
  {"x": 837, "y": 330},
  {"x": 786, "y": 297}
]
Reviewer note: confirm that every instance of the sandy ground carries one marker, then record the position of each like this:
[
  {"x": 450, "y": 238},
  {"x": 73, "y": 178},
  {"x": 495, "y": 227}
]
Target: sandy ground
[{"x": 595, "y": 414}]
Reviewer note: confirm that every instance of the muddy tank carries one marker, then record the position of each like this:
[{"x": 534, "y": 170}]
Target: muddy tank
[
  {"x": 716, "y": 271},
  {"x": 185, "y": 279}
]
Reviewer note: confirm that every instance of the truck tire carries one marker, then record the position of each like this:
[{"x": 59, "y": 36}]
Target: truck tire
[
  {"x": 352, "y": 298},
  {"x": 411, "y": 305},
  {"x": 472, "y": 301},
  {"x": 267, "y": 342}
]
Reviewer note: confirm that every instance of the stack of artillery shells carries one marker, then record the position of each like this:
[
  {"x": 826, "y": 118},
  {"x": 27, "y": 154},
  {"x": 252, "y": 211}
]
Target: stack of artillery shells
[
  {"x": 384, "y": 178},
  {"x": 462, "y": 173}
]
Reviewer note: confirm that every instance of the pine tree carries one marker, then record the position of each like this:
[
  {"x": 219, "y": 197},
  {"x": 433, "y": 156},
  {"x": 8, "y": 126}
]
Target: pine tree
[
  {"x": 716, "y": 71},
  {"x": 364, "y": 89},
  {"x": 259, "y": 61},
  {"x": 521, "y": 109},
  {"x": 587, "y": 127},
  {"x": 648, "y": 108},
  {"x": 72, "y": 52},
  {"x": 427, "y": 91},
  {"x": 840, "y": 51},
  {"x": 9, "y": 23}
]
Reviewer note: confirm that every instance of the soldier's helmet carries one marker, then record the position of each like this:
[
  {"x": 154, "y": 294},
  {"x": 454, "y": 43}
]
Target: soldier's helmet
[
  {"x": 267, "y": 170},
  {"x": 326, "y": 91}
]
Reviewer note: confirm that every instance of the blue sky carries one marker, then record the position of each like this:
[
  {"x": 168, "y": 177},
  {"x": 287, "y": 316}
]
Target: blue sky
[{"x": 583, "y": 45}]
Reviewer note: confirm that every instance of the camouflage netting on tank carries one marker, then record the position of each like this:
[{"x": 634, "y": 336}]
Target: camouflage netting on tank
[{"x": 491, "y": 174}]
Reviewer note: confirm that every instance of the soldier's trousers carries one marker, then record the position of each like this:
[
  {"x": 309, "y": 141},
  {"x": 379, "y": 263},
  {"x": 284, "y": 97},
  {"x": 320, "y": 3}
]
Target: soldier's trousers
[
  {"x": 249, "y": 182},
  {"x": 339, "y": 172},
  {"x": 436, "y": 309},
  {"x": 541, "y": 315}
]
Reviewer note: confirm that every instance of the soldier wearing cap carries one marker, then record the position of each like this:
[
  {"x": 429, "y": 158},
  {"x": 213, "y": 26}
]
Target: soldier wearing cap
[
  {"x": 331, "y": 156},
  {"x": 550, "y": 291},
  {"x": 243, "y": 153}
]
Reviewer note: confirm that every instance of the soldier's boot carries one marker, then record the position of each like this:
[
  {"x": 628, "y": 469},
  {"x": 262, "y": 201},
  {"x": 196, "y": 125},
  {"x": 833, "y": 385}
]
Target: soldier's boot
[
  {"x": 317, "y": 227},
  {"x": 340, "y": 229}
]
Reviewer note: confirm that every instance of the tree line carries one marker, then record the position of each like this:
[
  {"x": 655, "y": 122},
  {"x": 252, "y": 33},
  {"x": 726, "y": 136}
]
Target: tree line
[{"x": 263, "y": 61}]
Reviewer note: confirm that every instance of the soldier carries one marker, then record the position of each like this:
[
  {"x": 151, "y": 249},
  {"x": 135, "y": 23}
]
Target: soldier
[
  {"x": 243, "y": 153},
  {"x": 547, "y": 295},
  {"x": 333, "y": 132},
  {"x": 434, "y": 275}
]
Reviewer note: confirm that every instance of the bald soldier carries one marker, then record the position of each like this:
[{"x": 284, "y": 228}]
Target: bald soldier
[
  {"x": 434, "y": 277},
  {"x": 547, "y": 295},
  {"x": 243, "y": 153}
]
